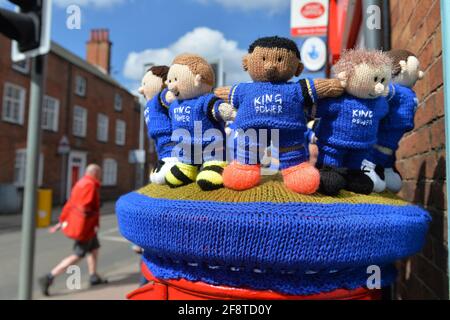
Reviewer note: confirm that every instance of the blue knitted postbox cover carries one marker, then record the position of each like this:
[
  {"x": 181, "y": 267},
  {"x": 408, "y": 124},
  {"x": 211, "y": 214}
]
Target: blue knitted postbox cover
[{"x": 269, "y": 238}]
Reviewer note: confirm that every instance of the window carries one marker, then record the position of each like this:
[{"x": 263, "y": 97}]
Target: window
[
  {"x": 102, "y": 127},
  {"x": 79, "y": 122},
  {"x": 80, "y": 86},
  {"x": 118, "y": 102},
  {"x": 22, "y": 66},
  {"x": 20, "y": 165},
  {"x": 13, "y": 103},
  {"x": 50, "y": 114},
  {"x": 109, "y": 172},
  {"x": 121, "y": 132}
]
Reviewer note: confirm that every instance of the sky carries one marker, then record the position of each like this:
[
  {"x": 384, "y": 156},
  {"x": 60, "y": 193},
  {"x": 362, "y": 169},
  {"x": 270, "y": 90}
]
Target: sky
[{"x": 155, "y": 31}]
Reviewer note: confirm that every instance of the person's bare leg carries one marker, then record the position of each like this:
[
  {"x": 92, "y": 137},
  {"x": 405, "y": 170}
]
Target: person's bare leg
[
  {"x": 64, "y": 264},
  {"x": 92, "y": 262}
]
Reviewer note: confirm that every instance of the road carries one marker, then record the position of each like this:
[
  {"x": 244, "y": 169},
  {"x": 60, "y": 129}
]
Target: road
[{"x": 117, "y": 261}]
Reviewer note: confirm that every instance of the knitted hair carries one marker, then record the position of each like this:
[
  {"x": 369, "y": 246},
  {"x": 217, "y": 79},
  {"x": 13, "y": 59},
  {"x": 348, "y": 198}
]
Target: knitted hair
[
  {"x": 197, "y": 65},
  {"x": 275, "y": 42},
  {"x": 351, "y": 58},
  {"x": 160, "y": 72}
]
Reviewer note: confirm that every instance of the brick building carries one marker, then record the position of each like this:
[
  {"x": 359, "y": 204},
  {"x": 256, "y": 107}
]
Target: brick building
[
  {"x": 84, "y": 106},
  {"x": 414, "y": 25}
]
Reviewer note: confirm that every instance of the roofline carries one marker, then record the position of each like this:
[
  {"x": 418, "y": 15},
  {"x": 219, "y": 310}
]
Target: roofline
[{"x": 79, "y": 62}]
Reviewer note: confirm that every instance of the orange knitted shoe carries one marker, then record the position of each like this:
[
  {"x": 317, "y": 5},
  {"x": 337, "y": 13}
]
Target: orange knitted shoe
[
  {"x": 303, "y": 179},
  {"x": 241, "y": 177}
]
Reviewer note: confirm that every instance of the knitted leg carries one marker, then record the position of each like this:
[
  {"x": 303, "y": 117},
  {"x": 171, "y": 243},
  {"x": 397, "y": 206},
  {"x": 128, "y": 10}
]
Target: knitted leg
[
  {"x": 181, "y": 175},
  {"x": 158, "y": 176},
  {"x": 393, "y": 179},
  {"x": 298, "y": 174},
  {"x": 376, "y": 174},
  {"x": 357, "y": 180},
  {"x": 303, "y": 178},
  {"x": 245, "y": 172},
  {"x": 241, "y": 177},
  {"x": 332, "y": 176},
  {"x": 210, "y": 175}
]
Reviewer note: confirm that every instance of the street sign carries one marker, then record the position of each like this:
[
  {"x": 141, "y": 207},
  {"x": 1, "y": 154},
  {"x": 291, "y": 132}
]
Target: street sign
[
  {"x": 28, "y": 27},
  {"x": 64, "y": 146},
  {"x": 314, "y": 54},
  {"x": 309, "y": 17}
]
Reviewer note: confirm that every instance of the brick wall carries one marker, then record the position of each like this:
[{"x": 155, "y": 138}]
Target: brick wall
[
  {"x": 416, "y": 25},
  {"x": 60, "y": 84}
]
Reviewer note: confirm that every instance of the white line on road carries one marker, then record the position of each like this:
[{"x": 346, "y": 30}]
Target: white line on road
[
  {"x": 114, "y": 239},
  {"x": 108, "y": 231}
]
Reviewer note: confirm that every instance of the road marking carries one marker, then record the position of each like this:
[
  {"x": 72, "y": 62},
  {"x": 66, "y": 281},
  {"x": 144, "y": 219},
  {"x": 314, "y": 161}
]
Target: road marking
[
  {"x": 114, "y": 239},
  {"x": 108, "y": 231}
]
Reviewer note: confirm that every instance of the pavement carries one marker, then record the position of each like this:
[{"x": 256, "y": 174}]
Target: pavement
[{"x": 117, "y": 262}]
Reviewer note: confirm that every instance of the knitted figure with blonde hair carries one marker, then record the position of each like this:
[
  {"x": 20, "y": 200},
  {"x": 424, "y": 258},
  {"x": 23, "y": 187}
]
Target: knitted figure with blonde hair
[
  {"x": 198, "y": 120},
  {"x": 348, "y": 125},
  {"x": 156, "y": 115},
  {"x": 271, "y": 102},
  {"x": 400, "y": 120}
]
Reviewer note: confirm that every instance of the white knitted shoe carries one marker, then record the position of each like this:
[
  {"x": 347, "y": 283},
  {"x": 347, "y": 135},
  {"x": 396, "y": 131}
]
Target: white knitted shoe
[
  {"x": 158, "y": 176},
  {"x": 394, "y": 181},
  {"x": 369, "y": 169}
]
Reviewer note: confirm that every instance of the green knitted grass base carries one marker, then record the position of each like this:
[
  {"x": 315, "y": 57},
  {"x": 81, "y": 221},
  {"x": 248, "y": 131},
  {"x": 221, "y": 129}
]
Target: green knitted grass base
[{"x": 271, "y": 189}]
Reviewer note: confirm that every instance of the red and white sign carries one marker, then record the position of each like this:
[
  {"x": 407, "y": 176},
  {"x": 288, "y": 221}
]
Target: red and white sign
[{"x": 309, "y": 17}]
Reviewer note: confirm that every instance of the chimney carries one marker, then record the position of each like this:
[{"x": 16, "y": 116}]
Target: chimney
[{"x": 98, "y": 50}]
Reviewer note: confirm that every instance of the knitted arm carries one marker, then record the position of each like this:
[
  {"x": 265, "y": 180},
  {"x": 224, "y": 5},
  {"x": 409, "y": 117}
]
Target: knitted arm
[
  {"x": 212, "y": 108},
  {"x": 328, "y": 88},
  {"x": 222, "y": 111},
  {"x": 223, "y": 93}
]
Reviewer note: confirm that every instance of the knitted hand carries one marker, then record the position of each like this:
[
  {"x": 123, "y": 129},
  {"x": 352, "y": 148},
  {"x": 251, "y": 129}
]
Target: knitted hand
[
  {"x": 170, "y": 97},
  {"x": 222, "y": 93},
  {"x": 406, "y": 68},
  {"x": 227, "y": 112},
  {"x": 329, "y": 88}
]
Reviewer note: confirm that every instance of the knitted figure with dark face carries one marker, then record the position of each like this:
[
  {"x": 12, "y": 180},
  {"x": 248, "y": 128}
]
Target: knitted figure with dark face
[
  {"x": 157, "y": 119},
  {"x": 198, "y": 120},
  {"x": 348, "y": 125},
  {"x": 271, "y": 102},
  {"x": 400, "y": 119}
]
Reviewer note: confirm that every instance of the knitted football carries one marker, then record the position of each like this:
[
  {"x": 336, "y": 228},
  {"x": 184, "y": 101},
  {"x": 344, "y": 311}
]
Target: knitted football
[{"x": 270, "y": 238}]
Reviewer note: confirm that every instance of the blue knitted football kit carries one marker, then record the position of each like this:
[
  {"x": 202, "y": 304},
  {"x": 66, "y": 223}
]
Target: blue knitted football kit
[
  {"x": 269, "y": 105},
  {"x": 348, "y": 130},
  {"x": 156, "y": 114},
  {"x": 198, "y": 131},
  {"x": 400, "y": 120}
]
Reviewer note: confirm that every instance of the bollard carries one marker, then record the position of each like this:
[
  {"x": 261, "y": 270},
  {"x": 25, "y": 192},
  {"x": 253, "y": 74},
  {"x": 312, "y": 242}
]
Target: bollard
[{"x": 44, "y": 212}]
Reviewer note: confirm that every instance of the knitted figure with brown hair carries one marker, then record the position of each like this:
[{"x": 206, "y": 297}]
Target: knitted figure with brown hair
[
  {"x": 198, "y": 120},
  {"x": 273, "y": 103},
  {"x": 156, "y": 115},
  {"x": 400, "y": 120},
  {"x": 348, "y": 125}
]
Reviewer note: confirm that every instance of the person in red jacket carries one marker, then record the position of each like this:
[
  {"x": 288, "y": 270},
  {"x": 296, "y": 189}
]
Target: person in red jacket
[{"x": 84, "y": 198}]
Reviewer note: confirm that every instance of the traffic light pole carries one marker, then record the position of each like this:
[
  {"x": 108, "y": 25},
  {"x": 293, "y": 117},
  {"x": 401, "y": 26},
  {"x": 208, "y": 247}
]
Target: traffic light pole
[{"x": 31, "y": 179}]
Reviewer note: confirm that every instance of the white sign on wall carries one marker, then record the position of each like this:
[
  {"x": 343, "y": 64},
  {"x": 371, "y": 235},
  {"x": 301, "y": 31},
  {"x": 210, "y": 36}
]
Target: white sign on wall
[
  {"x": 309, "y": 17},
  {"x": 314, "y": 54}
]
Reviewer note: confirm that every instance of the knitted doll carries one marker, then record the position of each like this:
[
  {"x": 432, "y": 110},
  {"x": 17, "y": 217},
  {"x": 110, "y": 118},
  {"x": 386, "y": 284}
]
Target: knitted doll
[
  {"x": 157, "y": 119},
  {"x": 349, "y": 124},
  {"x": 271, "y": 102},
  {"x": 195, "y": 112},
  {"x": 400, "y": 120}
]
